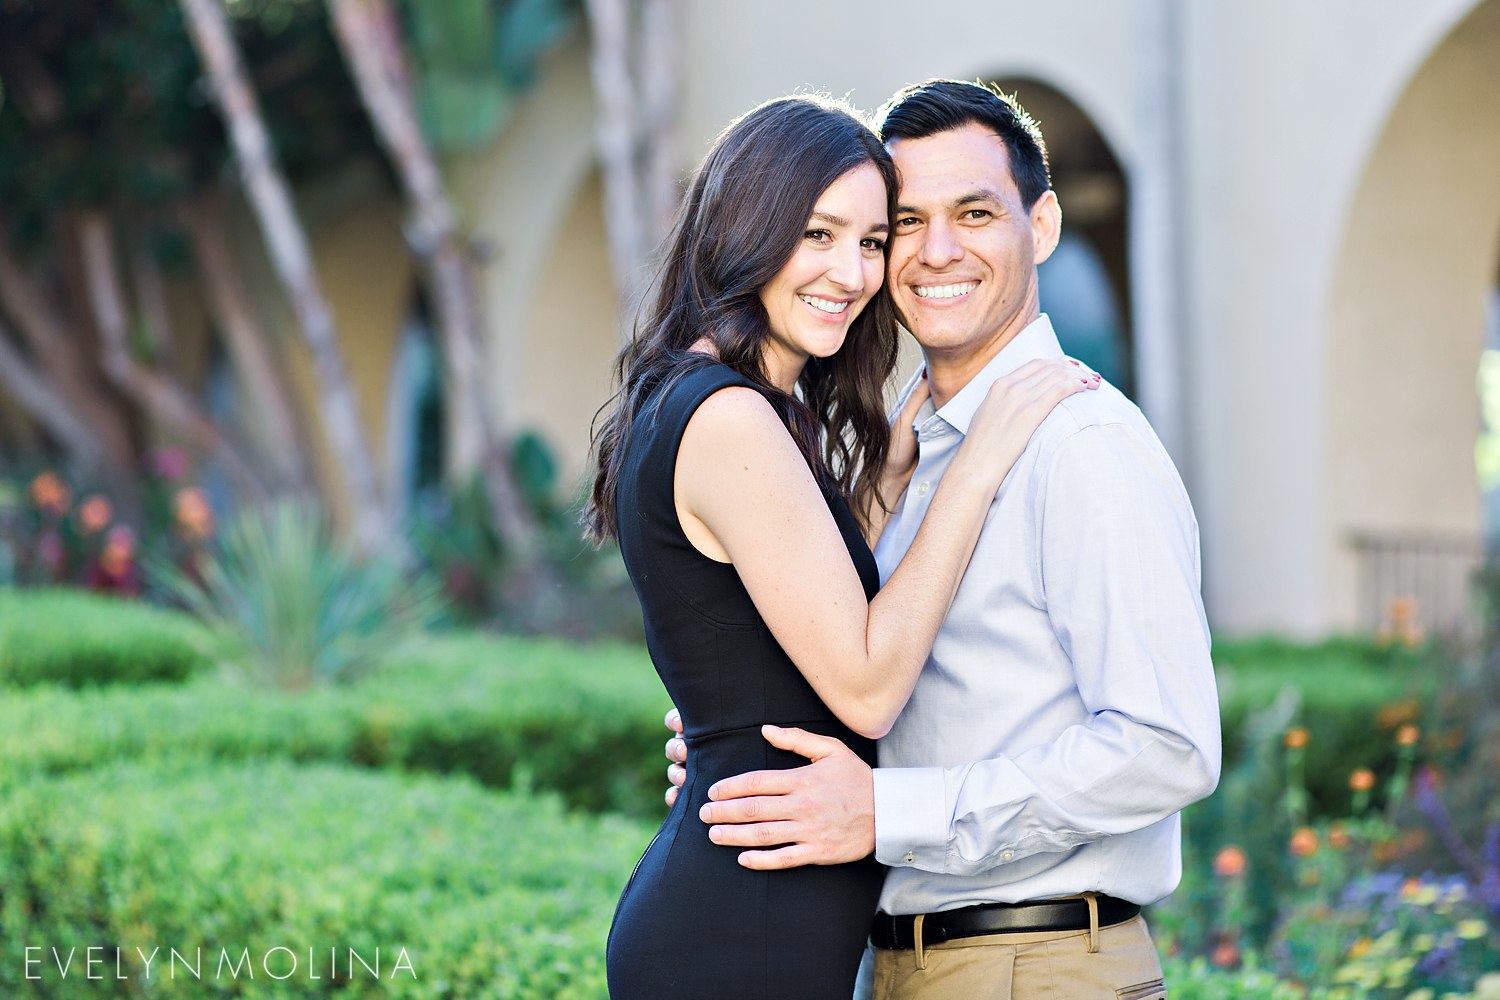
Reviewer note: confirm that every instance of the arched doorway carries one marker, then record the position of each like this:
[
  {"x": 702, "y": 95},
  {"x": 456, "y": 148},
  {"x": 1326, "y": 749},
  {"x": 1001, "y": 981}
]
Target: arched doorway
[
  {"x": 415, "y": 414},
  {"x": 1406, "y": 324},
  {"x": 1085, "y": 286}
]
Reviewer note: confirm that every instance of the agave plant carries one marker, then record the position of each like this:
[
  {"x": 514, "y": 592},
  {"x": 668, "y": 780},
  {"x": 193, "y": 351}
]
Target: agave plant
[{"x": 289, "y": 605}]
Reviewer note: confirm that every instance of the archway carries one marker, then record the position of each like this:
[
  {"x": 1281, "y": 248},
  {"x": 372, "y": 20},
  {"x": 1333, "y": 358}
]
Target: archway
[
  {"x": 1406, "y": 327},
  {"x": 1085, "y": 286}
]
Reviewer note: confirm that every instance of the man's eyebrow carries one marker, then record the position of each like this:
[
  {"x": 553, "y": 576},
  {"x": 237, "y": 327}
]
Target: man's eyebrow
[
  {"x": 973, "y": 197},
  {"x": 977, "y": 195}
]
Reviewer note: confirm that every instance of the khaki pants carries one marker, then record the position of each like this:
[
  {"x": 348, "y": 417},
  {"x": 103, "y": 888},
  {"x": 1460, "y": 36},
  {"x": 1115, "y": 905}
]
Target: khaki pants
[{"x": 1026, "y": 966}]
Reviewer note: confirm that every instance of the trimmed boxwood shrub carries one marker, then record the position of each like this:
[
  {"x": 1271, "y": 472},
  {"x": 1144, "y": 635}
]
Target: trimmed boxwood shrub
[
  {"x": 74, "y": 638},
  {"x": 584, "y": 721},
  {"x": 491, "y": 896}
]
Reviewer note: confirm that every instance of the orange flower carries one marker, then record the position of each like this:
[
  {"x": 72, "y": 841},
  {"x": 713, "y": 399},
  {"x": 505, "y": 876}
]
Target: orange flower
[
  {"x": 1394, "y": 714},
  {"x": 1230, "y": 862},
  {"x": 1408, "y": 735},
  {"x": 1362, "y": 780},
  {"x": 119, "y": 550},
  {"x": 1338, "y": 837},
  {"x": 1226, "y": 955},
  {"x": 1304, "y": 842},
  {"x": 194, "y": 516},
  {"x": 1296, "y": 738},
  {"x": 1402, "y": 611},
  {"x": 50, "y": 494},
  {"x": 94, "y": 514}
]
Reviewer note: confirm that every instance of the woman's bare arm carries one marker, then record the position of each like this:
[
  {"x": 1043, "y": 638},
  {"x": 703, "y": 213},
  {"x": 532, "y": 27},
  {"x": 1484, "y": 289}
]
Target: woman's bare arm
[{"x": 746, "y": 496}]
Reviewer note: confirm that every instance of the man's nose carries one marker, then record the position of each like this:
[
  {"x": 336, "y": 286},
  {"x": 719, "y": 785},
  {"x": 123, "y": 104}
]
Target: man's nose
[{"x": 940, "y": 246}]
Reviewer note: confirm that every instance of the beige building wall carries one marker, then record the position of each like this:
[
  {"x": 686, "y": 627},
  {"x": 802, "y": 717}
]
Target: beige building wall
[
  {"x": 1284, "y": 102},
  {"x": 1406, "y": 311},
  {"x": 532, "y": 201},
  {"x": 1300, "y": 128}
]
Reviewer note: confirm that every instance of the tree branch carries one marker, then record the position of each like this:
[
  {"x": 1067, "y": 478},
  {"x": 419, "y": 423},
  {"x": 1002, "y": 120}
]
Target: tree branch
[{"x": 163, "y": 398}]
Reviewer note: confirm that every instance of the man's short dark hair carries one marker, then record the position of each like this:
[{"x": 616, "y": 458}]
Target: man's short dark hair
[{"x": 925, "y": 109}]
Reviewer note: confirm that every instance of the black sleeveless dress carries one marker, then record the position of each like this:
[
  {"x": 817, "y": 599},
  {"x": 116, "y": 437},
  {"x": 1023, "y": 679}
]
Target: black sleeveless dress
[{"x": 691, "y": 923}]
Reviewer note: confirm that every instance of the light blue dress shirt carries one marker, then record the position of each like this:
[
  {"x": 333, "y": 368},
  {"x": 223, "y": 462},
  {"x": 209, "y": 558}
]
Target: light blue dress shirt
[{"x": 1068, "y": 711}]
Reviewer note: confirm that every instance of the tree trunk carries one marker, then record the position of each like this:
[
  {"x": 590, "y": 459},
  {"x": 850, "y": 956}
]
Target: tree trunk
[
  {"x": 658, "y": 62},
  {"x": 271, "y": 198},
  {"x": 369, "y": 37},
  {"x": 47, "y": 407},
  {"x": 635, "y": 131},
  {"x": 615, "y": 93},
  {"x": 158, "y": 395},
  {"x": 151, "y": 299},
  {"x": 202, "y": 218},
  {"x": 55, "y": 356}
]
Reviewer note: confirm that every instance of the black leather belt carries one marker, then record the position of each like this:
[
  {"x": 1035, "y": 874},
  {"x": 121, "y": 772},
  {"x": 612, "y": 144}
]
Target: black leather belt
[{"x": 1071, "y": 914}]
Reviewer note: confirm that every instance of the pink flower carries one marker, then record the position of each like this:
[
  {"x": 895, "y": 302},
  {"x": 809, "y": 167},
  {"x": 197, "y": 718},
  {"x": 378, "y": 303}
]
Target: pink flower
[{"x": 170, "y": 464}]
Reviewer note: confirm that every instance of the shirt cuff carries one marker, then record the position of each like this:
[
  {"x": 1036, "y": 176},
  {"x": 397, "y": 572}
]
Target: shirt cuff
[{"x": 911, "y": 818}]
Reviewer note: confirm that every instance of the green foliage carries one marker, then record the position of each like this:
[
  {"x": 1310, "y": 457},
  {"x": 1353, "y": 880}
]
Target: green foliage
[
  {"x": 473, "y": 57},
  {"x": 1348, "y": 697},
  {"x": 1349, "y": 694},
  {"x": 54, "y": 636},
  {"x": 582, "y": 721},
  {"x": 577, "y": 590},
  {"x": 106, "y": 101},
  {"x": 1334, "y": 892},
  {"x": 293, "y": 605},
  {"x": 491, "y": 897},
  {"x": 1198, "y": 980}
]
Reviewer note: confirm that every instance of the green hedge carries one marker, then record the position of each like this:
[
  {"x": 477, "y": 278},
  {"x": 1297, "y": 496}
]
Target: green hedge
[
  {"x": 1351, "y": 694},
  {"x": 584, "y": 721},
  {"x": 491, "y": 896},
  {"x": 74, "y": 638}
]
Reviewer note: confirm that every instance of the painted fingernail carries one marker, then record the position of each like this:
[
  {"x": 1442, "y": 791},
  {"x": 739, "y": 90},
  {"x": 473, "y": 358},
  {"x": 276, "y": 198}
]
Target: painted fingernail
[{"x": 1071, "y": 361}]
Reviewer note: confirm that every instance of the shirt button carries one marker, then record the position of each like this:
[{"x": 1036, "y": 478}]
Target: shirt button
[
  {"x": 1007, "y": 855},
  {"x": 910, "y": 858},
  {"x": 923, "y": 488}
]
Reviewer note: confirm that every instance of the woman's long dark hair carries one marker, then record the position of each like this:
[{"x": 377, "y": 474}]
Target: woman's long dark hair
[{"x": 742, "y": 220}]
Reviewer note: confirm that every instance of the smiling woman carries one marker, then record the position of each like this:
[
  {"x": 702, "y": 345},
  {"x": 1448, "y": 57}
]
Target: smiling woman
[{"x": 836, "y": 269}]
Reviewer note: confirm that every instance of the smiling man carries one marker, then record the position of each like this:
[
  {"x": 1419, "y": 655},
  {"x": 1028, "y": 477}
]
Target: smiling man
[{"x": 1027, "y": 800}]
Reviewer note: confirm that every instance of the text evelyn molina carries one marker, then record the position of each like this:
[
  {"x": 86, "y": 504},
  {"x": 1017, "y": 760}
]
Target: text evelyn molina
[{"x": 276, "y": 962}]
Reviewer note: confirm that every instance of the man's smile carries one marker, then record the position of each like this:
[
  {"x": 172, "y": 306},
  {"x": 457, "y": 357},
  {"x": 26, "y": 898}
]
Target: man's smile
[{"x": 949, "y": 291}]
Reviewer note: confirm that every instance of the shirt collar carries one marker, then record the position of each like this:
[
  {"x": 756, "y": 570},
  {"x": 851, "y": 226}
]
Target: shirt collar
[{"x": 1036, "y": 340}]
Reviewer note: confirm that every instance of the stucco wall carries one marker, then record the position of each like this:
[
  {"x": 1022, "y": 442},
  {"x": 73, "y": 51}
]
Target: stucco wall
[
  {"x": 1406, "y": 311},
  {"x": 1283, "y": 101}
]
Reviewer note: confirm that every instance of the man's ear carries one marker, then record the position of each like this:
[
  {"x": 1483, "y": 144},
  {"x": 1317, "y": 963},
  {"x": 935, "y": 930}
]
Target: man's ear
[{"x": 1046, "y": 225}]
